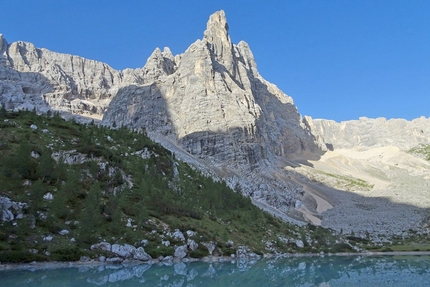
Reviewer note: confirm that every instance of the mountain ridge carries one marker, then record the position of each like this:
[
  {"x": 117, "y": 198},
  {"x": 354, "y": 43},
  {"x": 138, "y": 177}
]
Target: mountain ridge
[{"x": 214, "y": 107}]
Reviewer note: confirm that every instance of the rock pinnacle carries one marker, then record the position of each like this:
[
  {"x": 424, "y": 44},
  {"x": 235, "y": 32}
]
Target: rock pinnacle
[{"x": 217, "y": 37}]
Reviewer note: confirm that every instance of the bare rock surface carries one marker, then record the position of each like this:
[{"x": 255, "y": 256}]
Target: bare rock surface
[
  {"x": 367, "y": 132},
  {"x": 368, "y": 183},
  {"x": 36, "y": 78},
  {"x": 368, "y": 191}
]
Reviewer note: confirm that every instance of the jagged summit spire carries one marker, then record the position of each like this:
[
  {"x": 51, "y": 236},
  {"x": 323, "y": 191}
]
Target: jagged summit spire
[
  {"x": 3, "y": 43},
  {"x": 216, "y": 35},
  {"x": 217, "y": 26}
]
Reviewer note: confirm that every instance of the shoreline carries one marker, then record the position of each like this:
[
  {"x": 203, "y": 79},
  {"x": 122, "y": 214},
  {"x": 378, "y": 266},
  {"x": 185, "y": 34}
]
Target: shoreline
[{"x": 32, "y": 266}]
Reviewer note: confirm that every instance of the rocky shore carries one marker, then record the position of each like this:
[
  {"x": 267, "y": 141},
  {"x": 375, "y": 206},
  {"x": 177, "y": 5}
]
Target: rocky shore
[{"x": 209, "y": 259}]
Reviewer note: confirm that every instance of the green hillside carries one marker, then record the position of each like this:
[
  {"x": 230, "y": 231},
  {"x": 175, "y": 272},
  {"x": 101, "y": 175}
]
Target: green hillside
[{"x": 119, "y": 186}]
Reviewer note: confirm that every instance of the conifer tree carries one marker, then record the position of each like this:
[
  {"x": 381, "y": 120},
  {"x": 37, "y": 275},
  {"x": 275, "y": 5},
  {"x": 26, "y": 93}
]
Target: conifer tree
[
  {"x": 59, "y": 205},
  {"x": 3, "y": 111},
  {"x": 91, "y": 214},
  {"x": 36, "y": 196},
  {"x": 45, "y": 168},
  {"x": 22, "y": 160}
]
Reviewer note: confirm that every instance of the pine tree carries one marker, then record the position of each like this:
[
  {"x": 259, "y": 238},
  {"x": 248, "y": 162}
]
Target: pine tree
[
  {"x": 45, "y": 168},
  {"x": 22, "y": 160},
  {"x": 91, "y": 215},
  {"x": 59, "y": 205},
  {"x": 60, "y": 170},
  {"x": 71, "y": 186},
  {"x": 3, "y": 111},
  {"x": 36, "y": 197}
]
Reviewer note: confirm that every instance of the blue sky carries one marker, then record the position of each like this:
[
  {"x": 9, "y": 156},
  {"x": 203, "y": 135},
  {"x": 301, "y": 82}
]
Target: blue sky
[{"x": 339, "y": 60}]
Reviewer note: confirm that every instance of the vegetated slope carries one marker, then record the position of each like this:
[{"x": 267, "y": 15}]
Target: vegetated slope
[{"x": 71, "y": 185}]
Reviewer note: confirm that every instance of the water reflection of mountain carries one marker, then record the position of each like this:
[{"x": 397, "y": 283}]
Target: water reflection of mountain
[{"x": 304, "y": 271}]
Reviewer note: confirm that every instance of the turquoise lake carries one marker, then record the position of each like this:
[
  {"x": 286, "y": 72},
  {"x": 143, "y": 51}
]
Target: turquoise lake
[{"x": 297, "y": 271}]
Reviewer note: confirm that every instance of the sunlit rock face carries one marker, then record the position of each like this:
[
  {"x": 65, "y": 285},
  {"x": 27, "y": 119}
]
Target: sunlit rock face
[
  {"x": 212, "y": 100},
  {"x": 366, "y": 132}
]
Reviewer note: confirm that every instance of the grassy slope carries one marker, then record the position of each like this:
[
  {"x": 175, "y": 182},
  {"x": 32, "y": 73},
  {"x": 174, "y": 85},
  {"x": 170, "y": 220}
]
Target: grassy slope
[
  {"x": 422, "y": 150},
  {"x": 95, "y": 199}
]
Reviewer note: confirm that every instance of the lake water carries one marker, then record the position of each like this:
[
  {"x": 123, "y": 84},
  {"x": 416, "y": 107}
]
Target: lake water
[{"x": 304, "y": 271}]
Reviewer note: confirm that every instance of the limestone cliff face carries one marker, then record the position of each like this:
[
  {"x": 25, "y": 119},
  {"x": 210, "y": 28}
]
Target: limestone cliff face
[
  {"x": 212, "y": 100},
  {"x": 38, "y": 78},
  {"x": 368, "y": 132}
]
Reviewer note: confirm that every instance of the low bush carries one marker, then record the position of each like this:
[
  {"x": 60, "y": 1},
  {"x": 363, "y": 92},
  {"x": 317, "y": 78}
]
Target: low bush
[
  {"x": 199, "y": 253},
  {"x": 20, "y": 256},
  {"x": 159, "y": 250},
  {"x": 341, "y": 247},
  {"x": 67, "y": 254}
]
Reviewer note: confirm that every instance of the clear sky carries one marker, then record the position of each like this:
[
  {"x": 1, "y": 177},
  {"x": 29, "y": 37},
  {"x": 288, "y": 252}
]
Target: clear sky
[{"x": 338, "y": 59}]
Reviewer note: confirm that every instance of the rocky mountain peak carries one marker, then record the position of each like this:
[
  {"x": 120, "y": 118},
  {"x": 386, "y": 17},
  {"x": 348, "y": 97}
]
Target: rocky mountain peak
[
  {"x": 3, "y": 44},
  {"x": 159, "y": 64},
  {"x": 217, "y": 37},
  {"x": 217, "y": 27}
]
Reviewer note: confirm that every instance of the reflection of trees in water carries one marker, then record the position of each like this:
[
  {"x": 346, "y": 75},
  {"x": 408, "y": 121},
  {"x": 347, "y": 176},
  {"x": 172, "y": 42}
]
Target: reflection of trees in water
[{"x": 296, "y": 271}]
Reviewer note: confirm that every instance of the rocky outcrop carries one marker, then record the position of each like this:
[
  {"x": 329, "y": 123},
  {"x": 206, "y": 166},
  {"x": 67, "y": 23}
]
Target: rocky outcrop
[
  {"x": 123, "y": 251},
  {"x": 9, "y": 209}
]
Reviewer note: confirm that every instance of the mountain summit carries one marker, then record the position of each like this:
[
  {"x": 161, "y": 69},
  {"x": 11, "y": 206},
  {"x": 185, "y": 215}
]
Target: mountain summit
[
  {"x": 214, "y": 102},
  {"x": 215, "y": 105}
]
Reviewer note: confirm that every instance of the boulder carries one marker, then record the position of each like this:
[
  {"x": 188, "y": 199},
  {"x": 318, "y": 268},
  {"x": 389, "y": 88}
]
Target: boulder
[
  {"x": 180, "y": 251},
  {"x": 48, "y": 238},
  {"x": 64, "y": 232},
  {"x": 140, "y": 254},
  {"x": 48, "y": 196},
  {"x": 178, "y": 235},
  {"x": 299, "y": 243},
  {"x": 123, "y": 251},
  {"x": 192, "y": 245},
  {"x": 167, "y": 260},
  {"x": 102, "y": 246},
  {"x": 5, "y": 212},
  {"x": 191, "y": 233},
  {"x": 210, "y": 246}
]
